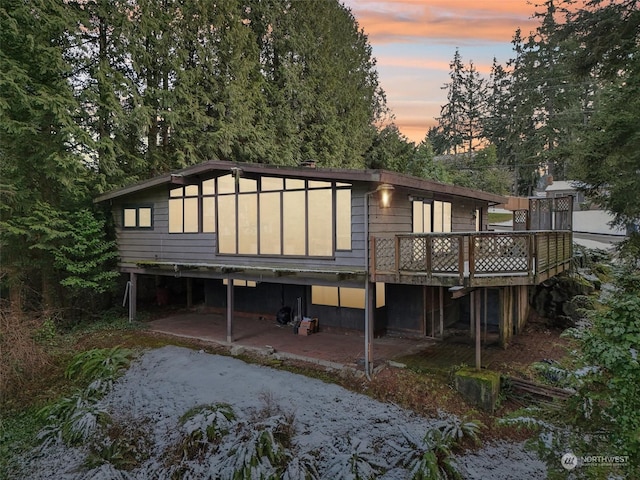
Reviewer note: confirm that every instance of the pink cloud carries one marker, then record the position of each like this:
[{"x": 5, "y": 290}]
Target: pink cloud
[{"x": 462, "y": 20}]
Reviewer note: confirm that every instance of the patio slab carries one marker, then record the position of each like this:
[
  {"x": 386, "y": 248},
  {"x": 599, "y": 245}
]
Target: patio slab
[{"x": 344, "y": 348}]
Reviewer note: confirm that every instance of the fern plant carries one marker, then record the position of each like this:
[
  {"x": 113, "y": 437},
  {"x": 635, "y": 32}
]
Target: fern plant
[
  {"x": 430, "y": 456},
  {"x": 124, "y": 443},
  {"x": 301, "y": 467},
  {"x": 254, "y": 452},
  {"x": 74, "y": 419},
  {"x": 354, "y": 460},
  {"x": 98, "y": 363},
  {"x": 71, "y": 420},
  {"x": 204, "y": 427}
]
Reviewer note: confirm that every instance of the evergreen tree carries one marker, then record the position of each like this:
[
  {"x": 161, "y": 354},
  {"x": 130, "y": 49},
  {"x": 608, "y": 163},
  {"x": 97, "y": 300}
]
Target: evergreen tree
[
  {"x": 438, "y": 140},
  {"x": 539, "y": 108},
  {"x": 322, "y": 88},
  {"x": 39, "y": 140},
  {"x": 391, "y": 150},
  {"x": 497, "y": 128},
  {"x": 460, "y": 120},
  {"x": 473, "y": 108},
  {"x": 423, "y": 165},
  {"x": 450, "y": 122},
  {"x": 606, "y": 154},
  {"x": 103, "y": 87}
]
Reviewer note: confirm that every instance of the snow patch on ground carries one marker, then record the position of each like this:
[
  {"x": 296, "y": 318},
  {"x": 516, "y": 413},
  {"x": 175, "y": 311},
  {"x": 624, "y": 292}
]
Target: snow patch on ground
[{"x": 163, "y": 384}]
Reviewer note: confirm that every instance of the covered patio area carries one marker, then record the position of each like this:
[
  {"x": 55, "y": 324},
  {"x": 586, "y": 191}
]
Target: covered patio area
[
  {"x": 336, "y": 349},
  {"x": 331, "y": 348}
]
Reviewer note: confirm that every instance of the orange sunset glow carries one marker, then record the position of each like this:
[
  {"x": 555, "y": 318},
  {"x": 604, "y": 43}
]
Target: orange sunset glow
[{"x": 415, "y": 40}]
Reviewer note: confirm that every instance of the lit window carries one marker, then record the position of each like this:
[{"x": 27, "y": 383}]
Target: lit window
[
  {"x": 319, "y": 217},
  {"x": 271, "y": 184},
  {"x": 248, "y": 224},
  {"x": 209, "y": 206},
  {"x": 240, "y": 283},
  {"x": 227, "y": 224},
  {"x": 343, "y": 219},
  {"x": 344, "y": 296},
  {"x": 265, "y": 216},
  {"x": 321, "y": 295},
  {"x": 429, "y": 217},
  {"x": 380, "y": 295},
  {"x": 184, "y": 214},
  {"x": 352, "y": 297},
  {"x": 294, "y": 236},
  {"x": 270, "y": 222},
  {"x": 137, "y": 217}
]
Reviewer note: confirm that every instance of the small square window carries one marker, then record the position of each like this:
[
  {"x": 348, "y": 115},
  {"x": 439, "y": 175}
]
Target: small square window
[
  {"x": 130, "y": 220},
  {"x": 137, "y": 217}
]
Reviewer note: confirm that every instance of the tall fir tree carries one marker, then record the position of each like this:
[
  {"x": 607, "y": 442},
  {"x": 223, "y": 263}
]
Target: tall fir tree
[
  {"x": 39, "y": 139},
  {"x": 451, "y": 113},
  {"x": 605, "y": 155}
]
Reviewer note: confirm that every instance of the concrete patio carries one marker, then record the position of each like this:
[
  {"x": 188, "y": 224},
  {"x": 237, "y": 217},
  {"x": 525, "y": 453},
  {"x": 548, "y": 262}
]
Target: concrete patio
[
  {"x": 346, "y": 348},
  {"x": 327, "y": 347}
]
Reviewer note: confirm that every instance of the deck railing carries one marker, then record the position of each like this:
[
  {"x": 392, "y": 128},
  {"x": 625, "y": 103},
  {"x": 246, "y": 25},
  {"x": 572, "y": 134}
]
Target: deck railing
[{"x": 471, "y": 258}]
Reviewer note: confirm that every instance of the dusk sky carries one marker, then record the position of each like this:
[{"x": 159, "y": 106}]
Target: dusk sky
[{"x": 415, "y": 40}]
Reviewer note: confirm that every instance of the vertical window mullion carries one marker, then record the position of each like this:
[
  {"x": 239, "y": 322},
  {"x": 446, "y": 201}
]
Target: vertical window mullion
[
  {"x": 237, "y": 221},
  {"x": 334, "y": 218},
  {"x": 282, "y": 222},
  {"x": 306, "y": 218}
]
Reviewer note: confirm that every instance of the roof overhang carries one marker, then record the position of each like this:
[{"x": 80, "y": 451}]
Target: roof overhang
[{"x": 213, "y": 168}]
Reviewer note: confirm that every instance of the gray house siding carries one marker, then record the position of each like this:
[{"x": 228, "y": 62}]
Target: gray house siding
[{"x": 158, "y": 245}]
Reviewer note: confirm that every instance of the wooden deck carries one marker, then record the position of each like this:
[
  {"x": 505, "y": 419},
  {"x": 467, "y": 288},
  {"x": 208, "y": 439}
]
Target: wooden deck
[{"x": 470, "y": 259}]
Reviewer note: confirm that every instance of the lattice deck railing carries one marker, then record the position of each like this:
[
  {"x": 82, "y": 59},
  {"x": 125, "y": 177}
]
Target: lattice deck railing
[{"x": 465, "y": 258}]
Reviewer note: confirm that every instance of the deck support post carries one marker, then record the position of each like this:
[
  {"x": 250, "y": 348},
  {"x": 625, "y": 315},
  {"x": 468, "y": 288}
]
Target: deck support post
[
  {"x": 369, "y": 327},
  {"x": 477, "y": 319},
  {"x": 229, "y": 309},
  {"x": 472, "y": 314},
  {"x": 133, "y": 296},
  {"x": 486, "y": 307},
  {"x": 442, "y": 312},
  {"x": 189, "y": 292}
]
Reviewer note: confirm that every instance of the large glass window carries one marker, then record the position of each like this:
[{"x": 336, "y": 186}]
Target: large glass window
[
  {"x": 431, "y": 217},
  {"x": 270, "y": 221},
  {"x": 184, "y": 214},
  {"x": 320, "y": 214},
  {"x": 227, "y": 224},
  {"x": 294, "y": 228},
  {"x": 267, "y": 216},
  {"x": 345, "y": 296},
  {"x": 343, "y": 219},
  {"x": 248, "y": 224}
]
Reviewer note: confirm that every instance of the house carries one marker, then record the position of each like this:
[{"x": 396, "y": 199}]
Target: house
[
  {"x": 561, "y": 188},
  {"x": 254, "y": 238}
]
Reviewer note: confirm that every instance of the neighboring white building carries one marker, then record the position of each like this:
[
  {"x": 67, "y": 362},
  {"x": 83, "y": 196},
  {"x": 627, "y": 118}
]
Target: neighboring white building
[{"x": 561, "y": 188}]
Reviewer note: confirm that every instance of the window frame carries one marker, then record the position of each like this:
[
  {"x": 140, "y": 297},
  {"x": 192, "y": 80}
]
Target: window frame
[
  {"x": 137, "y": 207},
  {"x": 432, "y": 215},
  {"x": 274, "y": 185}
]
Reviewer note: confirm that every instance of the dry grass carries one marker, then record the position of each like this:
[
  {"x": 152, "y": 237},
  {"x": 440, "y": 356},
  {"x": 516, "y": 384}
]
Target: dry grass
[{"x": 22, "y": 358}]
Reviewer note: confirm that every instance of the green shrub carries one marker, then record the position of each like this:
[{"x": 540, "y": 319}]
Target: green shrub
[
  {"x": 430, "y": 457},
  {"x": 125, "y": 444}
]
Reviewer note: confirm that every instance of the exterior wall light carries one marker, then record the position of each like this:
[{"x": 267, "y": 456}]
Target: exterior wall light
[{"x": 385, "y": 194}]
